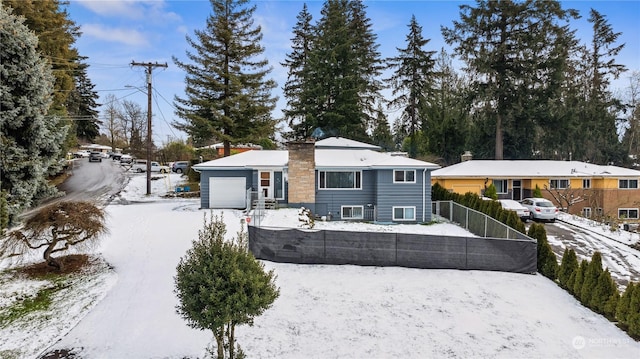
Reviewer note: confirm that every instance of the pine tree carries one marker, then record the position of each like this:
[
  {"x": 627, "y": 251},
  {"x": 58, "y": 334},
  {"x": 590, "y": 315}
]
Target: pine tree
[
  {"x": 547, "y": 262},
  {"x": 579, "y": 278},
  {"x": 622, "y": 308},
  {"x": 30, "y": 141},
  {"x": 633, "y": 317},
  {"x": 296, "y": 89},
  {"x": 603, "y": 291},
  {"x": 81, "y": 105},
  {"x": 382, "y": 133},
  {"x": 590, "y": 279},
  {"x": 227, "y": 96},
  {"x": 220, "y": 284},
  {"x": 512, "y": 50},
  {"x": 567, "y": 268},
  {"x": 412, "y": 82}
]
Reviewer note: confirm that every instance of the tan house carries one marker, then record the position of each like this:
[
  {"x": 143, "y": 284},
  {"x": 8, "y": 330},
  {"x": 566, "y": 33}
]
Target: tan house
[{"x": 577, "y": 187}]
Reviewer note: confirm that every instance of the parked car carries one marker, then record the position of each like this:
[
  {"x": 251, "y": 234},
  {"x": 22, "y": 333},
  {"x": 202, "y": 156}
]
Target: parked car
[
  {"x": 81, "y": 153},
  {"x": 180, "y": 167},
  {"x": 95, "y": 157},
  {"x": 141, "y": 166},
  {"x": 540, "y": 209},
  {"x": 511, "y": 205},
  {"x": 125, "y": 159}
]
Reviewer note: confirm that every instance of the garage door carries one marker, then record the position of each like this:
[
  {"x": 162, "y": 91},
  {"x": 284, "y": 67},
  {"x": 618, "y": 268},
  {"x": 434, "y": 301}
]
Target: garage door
[{"x": 227, "y": 192}]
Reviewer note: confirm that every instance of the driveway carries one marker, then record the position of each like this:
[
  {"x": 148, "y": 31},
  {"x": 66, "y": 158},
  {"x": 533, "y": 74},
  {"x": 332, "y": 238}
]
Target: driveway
[
  {"x": 99, "y": 181},
  {"x": 622, "y": 260}
]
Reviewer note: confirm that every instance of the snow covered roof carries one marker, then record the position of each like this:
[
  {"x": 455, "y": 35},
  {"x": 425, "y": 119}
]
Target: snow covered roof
[
  {"x": 531, "y": 169},
  {"x": 241, "y": 145},
  {"x": 324, "y": 158},
  {"x": 344, "y": 143}
]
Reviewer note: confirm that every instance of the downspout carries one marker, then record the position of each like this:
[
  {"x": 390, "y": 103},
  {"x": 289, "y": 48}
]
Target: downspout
[{"x": 424, "y": 193}]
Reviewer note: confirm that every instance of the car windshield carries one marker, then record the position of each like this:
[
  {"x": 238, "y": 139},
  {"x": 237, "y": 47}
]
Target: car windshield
[{"x": 544, "y": 204}]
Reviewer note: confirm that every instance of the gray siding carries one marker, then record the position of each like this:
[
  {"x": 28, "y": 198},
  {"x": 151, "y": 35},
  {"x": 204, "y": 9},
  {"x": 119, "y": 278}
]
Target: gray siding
[
  {"x": 403, "y": 194},
  {"x": 206, "y": 174},
  {"x": 330, "y": 201}
]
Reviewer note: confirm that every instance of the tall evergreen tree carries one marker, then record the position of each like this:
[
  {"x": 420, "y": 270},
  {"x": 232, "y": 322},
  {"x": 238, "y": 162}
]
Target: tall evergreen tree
[
  {"x": 382, "y": 133},
  {"x": 412, "y": 82},
  {"x": 511, "y": 50},
  {"x": 81, "y": 105},
  {"x": 298, "y": 81},
  {"x": 56, "y": 33},
  {"x": 603, "y": 292},
  {"x": 30, "y": 140},
  {"x": 227, "y": 94},
  {"x": 448, "y": 111},
  {"x": 343, "y": 66},
  {"x": 599, "y": 126},
  {"x": 578, "y": 279}
]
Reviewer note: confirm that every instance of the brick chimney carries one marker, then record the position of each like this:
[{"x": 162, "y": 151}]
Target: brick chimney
[{"x": 302, "y": 172}]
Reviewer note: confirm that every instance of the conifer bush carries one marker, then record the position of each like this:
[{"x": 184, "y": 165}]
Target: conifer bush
[
  {"x": 567, "y": 267},
  {"x": 622, "y": 308},
  {"x": 605, "y": 295},
  {"x": 547, "y": 262},
  {"x": 590, "y": 279},
  {"x": 579, "y": 278}
]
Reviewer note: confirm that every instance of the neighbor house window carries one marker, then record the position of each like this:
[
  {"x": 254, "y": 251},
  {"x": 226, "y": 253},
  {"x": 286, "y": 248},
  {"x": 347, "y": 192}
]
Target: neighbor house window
[
  {"x": 400, "y": 176},
  {"x": 340, "y": 180},
  {"x": 502, "y": 185},
  {"x": 586, "y": 183},
  {"x": 586, "y": 212},
  {"x": 559, "y": 183},
  {"x": 599, "y": 211},
  {"x": 404, "y": 213},
  {"x": 628, "y": 183},
  {"x": 628, "y": 213},
  {"x": 352, "y": 212}
]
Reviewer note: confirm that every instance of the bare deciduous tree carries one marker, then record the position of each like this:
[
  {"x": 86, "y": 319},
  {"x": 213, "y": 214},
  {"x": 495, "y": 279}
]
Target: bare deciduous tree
[{"x": 56, "y": 227}]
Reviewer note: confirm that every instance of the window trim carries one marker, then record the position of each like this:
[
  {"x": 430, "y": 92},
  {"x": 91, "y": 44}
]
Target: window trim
[
  {"x": 505, "y": 187},
  {"x": 558, "y": 183},
  {"x": 357, "y": 179},
  {"x": 586, "y": 212},
  {"x": 627, "y": 181},
  {"x": 586, "y": 183},
  {"x": 352, "y": 207},
  {"x": 627, "y": 210},
  {"x": 393, "y": 213},
  {"x": 405, "y": 176}
]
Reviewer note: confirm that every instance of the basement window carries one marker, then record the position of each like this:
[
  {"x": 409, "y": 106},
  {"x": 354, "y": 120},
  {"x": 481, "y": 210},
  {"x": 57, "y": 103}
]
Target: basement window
[
  {"x": 352, "y": 212},
  {"x": 404, "y": 213},
  {"x": 628, "y": 213}
]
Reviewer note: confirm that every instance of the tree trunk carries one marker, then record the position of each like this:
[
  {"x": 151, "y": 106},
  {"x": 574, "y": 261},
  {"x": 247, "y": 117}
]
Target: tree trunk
[
  {"x": 232, "y": 328},
  {"x": 51, "y": 261},
  {"x": 219, "y": 335}
]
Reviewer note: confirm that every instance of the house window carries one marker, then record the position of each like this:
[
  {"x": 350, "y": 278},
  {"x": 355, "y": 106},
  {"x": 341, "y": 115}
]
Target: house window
[
  {"x": 599, "y": 211},
  {"x": 559, "y": 183},
  {"x": 502, "y": 185},
  {"x": 628, "y": 183},
  {"x": 404, "y": 213},
  {"x": 352, "y": 212},
  {"x": 400, "y": 176},
  {"x": 586, "y": 183},
  {"x": 340, "y": 180},
  {"x": 586, "y": 212},
  {"x": 278, "y": 185},
  {"x": 628, "y": 213}
]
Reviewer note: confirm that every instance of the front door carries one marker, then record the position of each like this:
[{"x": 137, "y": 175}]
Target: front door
[
  {"x": 266, "y": 183},
  {"x": 516, "y": 186}
]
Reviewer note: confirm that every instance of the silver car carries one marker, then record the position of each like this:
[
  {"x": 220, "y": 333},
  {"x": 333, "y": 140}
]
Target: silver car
[{"x": 540, "y": 209}]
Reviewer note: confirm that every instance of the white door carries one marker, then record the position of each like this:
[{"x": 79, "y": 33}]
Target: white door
[
  {"x": 227, "y": 192},
  {"x": 266, "y": 183}
]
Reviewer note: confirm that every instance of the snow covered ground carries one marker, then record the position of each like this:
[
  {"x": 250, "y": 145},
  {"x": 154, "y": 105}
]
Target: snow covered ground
[{"x": 322, "y": 312}]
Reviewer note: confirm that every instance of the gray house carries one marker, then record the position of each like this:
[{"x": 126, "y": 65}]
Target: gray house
[{"x": 336, "y": 177}]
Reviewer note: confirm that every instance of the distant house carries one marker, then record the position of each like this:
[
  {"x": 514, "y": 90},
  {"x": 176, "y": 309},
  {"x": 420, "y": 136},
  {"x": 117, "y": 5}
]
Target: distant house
[
  {"x": 335, "y": 177},
  {"x": 235, "y": 149},
  {"x": 591, "y": 190}
]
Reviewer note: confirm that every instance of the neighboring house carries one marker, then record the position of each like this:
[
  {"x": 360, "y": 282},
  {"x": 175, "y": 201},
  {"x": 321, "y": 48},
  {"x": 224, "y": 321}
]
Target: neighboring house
[
  {"x": 338, "y": 178},
  {"x": 235, "y": 149},
  {"x": 586, "y": 189}
]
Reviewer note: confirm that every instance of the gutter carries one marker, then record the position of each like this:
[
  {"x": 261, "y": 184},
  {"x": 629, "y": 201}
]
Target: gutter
[{"x": 424, "y": 193}]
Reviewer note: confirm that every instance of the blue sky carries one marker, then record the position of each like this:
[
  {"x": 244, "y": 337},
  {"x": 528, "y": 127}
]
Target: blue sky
[{"x": 117, "y": 32}]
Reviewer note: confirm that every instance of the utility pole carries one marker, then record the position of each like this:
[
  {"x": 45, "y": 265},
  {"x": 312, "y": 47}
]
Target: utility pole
[{"x": 149, "y": 66}]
